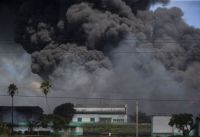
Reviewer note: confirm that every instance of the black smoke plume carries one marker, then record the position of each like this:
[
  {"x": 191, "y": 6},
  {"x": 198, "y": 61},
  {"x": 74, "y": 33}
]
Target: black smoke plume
[
  {"x": 74, "y": 39},
  {"x": 96, "y": 24}
]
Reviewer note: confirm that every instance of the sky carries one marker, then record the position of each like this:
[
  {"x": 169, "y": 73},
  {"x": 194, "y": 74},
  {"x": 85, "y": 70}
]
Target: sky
[{"x": 191, "y": 9}]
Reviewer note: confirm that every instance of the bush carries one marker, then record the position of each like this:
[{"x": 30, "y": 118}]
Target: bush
[{"x": 4, "y": 129}]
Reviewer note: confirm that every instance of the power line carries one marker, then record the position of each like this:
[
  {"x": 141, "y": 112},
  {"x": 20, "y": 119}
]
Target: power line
[
  {"x": 122, "y": 40},
  {"x": 113, "y": 99},
  {"x": 134, "y": 38},
  {"x": 117, "y": 52}
]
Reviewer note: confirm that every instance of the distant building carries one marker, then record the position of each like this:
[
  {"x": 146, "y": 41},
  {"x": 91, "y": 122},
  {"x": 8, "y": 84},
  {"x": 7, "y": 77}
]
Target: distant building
[
  {"x": 161, "y": 128},
  {"x": 97, "y": 114},
  {"x": 22, "y": 115},
  {"x": 100, "y": 114}
]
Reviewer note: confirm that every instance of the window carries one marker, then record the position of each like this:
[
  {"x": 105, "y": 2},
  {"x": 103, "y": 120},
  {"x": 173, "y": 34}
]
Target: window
[
  {"x": 118, "y": 120},
  {"x": 79, "y": 119},
  {"x": 92, "y": 119},
  {"x": 105, "y": 120}
]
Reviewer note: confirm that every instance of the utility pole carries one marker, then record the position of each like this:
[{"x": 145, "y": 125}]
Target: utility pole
[
  {"x": 12, "y": 116},
  {"x": 136, "y": 119}
]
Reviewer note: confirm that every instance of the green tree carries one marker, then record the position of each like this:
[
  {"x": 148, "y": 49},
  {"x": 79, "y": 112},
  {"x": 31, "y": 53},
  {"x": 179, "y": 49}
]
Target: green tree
[
  {"x": 183, "y": 122},
  {"x": 31, "y": 125},
  {"x": 12, "y": 89},
  {"x": 56, "y": 122},
  {"x": 66, "y": 111},
  {"x": 45, "y": 87}
]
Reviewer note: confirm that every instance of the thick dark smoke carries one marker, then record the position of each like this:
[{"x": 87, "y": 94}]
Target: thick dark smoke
[
  {"x": 79, "y": 43},
  {"x": 71, "y": 56},
  {"x": 95, "y": 24}
]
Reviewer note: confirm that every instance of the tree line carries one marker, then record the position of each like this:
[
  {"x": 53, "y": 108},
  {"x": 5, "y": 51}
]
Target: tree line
[{"x": 60, "y": 117}]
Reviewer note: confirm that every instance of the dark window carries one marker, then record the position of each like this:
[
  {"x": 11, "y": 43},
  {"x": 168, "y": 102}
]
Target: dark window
[
  {"x": 79, "y": 119},
  {"x": 105, "y": 120},
  {"x": 92, "y": 119},
  {"x": 118, "y": 120}
]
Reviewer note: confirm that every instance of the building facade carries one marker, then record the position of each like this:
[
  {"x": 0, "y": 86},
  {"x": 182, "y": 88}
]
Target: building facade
[
  {"x": 101, "y": 114},
  {"x": 97, "y": 114},
  {"x": 160, "y": 127},
  {"x": 21, "y": 114}
]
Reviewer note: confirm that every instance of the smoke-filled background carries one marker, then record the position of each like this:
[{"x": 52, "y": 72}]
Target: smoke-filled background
[{"x": 105, "y": 49}]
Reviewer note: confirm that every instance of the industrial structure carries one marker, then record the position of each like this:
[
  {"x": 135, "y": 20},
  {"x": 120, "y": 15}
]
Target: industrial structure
[
  {"x": 161, "y": 128},
  {"x": 100, "y": 114},
  {"x": 97, "y": 114},
  {"x": 22, "y": 114}
]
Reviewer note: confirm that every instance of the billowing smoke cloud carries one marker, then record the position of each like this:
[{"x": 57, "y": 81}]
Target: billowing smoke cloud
[{"x": 90, "y": 47}]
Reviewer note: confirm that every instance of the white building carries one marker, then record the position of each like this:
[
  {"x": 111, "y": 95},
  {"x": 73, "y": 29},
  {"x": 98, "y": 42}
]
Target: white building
[
  {"x": 97, "y": 114},
  {"x": 161, "y": 128},
  {"x": 100, "y": 114}
]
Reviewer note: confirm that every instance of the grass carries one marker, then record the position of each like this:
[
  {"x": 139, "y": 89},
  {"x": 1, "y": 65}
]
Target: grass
[{"x": 117, "y": 128}]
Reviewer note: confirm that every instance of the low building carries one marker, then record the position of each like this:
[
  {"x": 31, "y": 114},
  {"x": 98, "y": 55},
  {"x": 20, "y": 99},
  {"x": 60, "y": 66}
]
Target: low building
[
  {"x": 160, "y": 127},
  {"x": 100, "y": 114},
  {"x": 97, "y": 114},
  {"x": 22, "y": 116}
]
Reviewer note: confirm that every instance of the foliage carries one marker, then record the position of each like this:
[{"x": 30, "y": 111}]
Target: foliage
[
  {"x": 183, "y": 122},
  {"x": 45, "y": 86},
  {"x": 66, "y": 111},
  {"x": 56, "y": 122},
  {"x": 31, "y": 125},
  {"x": 12, "y": 88},
  {"x": 4, "y": 129}
]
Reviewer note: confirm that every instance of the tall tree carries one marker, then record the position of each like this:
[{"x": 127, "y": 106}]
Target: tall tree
[
  {"x": 66, "y": 111},
  {"x": 183, "y": 122},
  {"x": 45, "y": 87},
  {"x": 12, "y": 89}
]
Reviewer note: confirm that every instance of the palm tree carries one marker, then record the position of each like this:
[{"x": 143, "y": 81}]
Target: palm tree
[
  {"x": 12, "y": 89},
  {"x": 45, "y": 87}
]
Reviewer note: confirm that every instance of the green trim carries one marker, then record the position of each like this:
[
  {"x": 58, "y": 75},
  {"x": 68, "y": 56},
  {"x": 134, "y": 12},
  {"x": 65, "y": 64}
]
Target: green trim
[
  {"x": 79, "y": 123},
  {"x": 77, "y": 134},
  {"x": 23, "y": 123}
]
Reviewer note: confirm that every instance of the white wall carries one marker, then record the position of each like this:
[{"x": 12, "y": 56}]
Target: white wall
[
  {"x": 86, "y": 117},
  {"x": 160, "y": 125}
]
